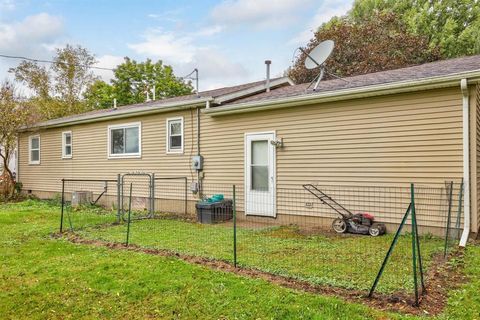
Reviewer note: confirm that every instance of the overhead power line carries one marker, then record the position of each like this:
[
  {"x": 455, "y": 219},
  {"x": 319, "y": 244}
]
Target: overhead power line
[{"x": 6, "y": 56}]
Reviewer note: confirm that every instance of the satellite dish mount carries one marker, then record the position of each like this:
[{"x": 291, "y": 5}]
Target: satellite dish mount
[{"x": 316, "y": 59}]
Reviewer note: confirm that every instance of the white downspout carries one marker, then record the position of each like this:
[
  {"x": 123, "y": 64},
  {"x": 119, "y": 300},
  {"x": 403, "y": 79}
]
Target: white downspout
[{"x": 466, "y": 162}]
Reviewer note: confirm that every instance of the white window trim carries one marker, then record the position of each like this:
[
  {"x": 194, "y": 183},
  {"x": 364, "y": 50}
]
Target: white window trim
[
  {"x": 124, "y": 155},
  {"x": 30, "y": 161},
  {"x": 64, "y": 144},
  {"x": 174, "y": 151}
]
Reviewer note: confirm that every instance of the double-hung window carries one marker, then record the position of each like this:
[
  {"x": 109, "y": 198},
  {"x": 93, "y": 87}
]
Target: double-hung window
[
  {"x": 34, "y": 149},
  {"x": 175, "y": 135},
  {"x": 67, "y": 151},
  {"x": 124, "y": 141}
]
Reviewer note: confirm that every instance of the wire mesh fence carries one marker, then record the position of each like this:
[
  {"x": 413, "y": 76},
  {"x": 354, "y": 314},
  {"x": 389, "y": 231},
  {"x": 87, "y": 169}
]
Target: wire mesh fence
[
  {"x": 298, "y": 241},
  {"x": 453, "y": 220},
  {"x": 88, "y": 203},
  {"x": 287, "y": 232}
]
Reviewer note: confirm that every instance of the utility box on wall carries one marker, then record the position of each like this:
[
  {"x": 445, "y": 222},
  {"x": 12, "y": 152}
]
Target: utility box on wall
[
  {"x": 197, "y": 163},
  {"x": 81, "y": 198}
]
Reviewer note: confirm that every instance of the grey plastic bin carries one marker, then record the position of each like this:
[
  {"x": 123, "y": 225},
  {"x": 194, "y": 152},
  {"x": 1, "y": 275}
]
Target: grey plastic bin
[{"x": 214, "y": 212}]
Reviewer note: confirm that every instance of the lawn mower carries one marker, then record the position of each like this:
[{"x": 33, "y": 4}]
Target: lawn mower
[{"x": 359, "y": 223}]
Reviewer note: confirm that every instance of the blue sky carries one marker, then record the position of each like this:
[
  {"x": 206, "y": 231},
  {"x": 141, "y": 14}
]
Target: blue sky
[{"x": 227, "y": 40}]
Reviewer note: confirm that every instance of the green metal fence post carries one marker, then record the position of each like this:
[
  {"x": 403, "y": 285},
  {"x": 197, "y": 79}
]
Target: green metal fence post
[
  {"x": 390, "y": 250},
  {"x": 234, "y": 228},
  {"x": 152, "y": 201},
  {"x": 118, "y": 197},
  {"x": 129, "y": 214},
  {"x": 69, "y": 217},
  {"x": 449, "y": 217},
  {"x": 185, "y": 201},
  {"x": 63, "y": 204},
  {"x": 414, "y": 242},
  {"x": 420, "y": 262}
]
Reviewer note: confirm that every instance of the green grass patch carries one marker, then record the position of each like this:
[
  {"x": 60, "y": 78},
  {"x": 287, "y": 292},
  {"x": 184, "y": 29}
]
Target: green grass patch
[
  {"x": 350, "y": 261},
  {"x": 45, "y": 278}
]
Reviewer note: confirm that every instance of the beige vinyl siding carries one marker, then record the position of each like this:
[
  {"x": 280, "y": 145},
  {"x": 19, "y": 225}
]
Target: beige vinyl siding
[
  {"x": 383, "y": 141},
  {"x": 399, "y": 139},
  {"x": 90, "y": 153}
]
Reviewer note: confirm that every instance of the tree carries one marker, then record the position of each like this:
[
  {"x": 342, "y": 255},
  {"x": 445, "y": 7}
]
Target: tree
[
  {"x": 15, "y": 115},
  {"x": 99, "y": 95},
  {"x": 452, "y": 25},
  {"x": 379, "y": 43},
  {"x": 132, "y": 80},
  {"x": 59, "y": 89}
]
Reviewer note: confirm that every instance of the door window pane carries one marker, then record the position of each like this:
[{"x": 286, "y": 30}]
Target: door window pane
[
  {"x": 117, "y": 141},
  {"x": 131, "y": 144},
  {"x": 260, "y": 178},
  {"x": 260, "y": 152},
  {"x": 259, "y": 165}
]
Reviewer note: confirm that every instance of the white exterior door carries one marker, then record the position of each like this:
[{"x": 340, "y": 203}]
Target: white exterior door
[{"x": 260, "y": 174}]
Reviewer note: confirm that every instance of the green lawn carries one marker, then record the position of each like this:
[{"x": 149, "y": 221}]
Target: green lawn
[
  {"x": 46, "y": 278},
  {"x": 349, "y": 261}
]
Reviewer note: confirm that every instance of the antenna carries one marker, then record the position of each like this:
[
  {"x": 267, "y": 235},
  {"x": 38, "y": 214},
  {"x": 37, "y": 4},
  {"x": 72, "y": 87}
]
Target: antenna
[
  {"x": 316, "y": 58},
  {"x": 191, "y": 77}
]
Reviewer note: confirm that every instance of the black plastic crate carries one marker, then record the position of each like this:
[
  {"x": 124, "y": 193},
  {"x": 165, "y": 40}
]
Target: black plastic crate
[{"x": 214, "y": 212}]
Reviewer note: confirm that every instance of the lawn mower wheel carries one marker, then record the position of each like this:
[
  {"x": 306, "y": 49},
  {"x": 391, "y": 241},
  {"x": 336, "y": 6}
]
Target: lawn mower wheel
[{"x": 339, "y": 225}]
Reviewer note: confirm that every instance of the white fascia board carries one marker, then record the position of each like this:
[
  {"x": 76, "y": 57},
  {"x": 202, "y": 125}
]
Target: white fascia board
[{"x": 119, "y": 114}]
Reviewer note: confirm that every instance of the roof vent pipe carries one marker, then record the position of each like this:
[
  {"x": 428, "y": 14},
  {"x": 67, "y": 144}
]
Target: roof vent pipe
[
  {"x": 115, "y": 103},
  {"x": 267, "y": 84}
]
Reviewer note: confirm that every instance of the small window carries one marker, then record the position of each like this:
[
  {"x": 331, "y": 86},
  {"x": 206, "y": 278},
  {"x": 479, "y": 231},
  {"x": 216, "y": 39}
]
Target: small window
[
  {"x": 175, "y": 135},
  {"x": 67, "y": 145},
  {"x": 124, "y": 140},
  {"x": 34, "y": 149}
]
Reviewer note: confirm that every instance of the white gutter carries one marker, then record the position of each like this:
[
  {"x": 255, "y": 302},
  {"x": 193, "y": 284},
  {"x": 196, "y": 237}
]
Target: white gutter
[
  {"x": 120, "y": 113},
  {"x": 345, "y": 94},
  {"x": 466, "y": 162}
]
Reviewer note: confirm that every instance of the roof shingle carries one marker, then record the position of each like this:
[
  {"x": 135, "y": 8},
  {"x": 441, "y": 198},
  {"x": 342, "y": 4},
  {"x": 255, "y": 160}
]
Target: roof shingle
[{"x": 427, "y": 70}]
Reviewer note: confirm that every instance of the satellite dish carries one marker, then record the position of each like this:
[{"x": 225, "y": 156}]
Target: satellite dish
[
  {"x": 319, "y": 54},
  {"x": 316, "y": 58}
]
